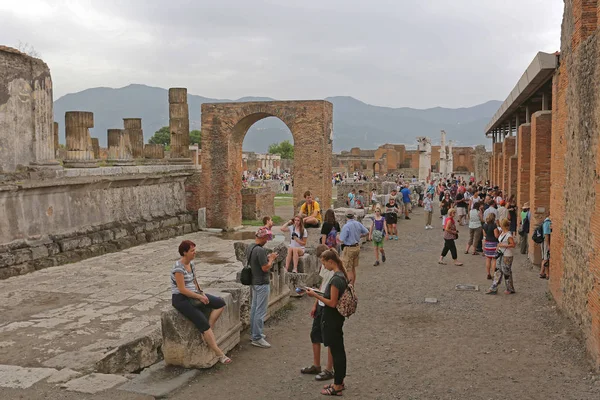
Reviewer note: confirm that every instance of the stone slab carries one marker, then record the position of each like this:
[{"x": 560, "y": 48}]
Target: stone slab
[
  {"x": 63, "y": 375},
  {"x": 15, "y": 377},
  {"x": 94, "y": 383},
  {"x": 159, "y": 380},
  {"x": 432, "y": 300}
]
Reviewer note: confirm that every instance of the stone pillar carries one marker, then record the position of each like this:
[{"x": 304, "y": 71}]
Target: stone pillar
[
  {"x": 179, "y": 126},
  {"x": 96, "y": 148},
  {"x": 43, "y": 124},
  {"x": 133, "y": 128},
  {"x": 56, "y": 144},
  {"x": 508, "y": 150},
  {"x": 523, "y": 161},
  {"x": 80, "y": 153},
  {"x": 154, "y": 151},
  {"x": 119, "y": 147},
  {"x": 496, "y": 160},
  {"x": 539, "y": 191}
]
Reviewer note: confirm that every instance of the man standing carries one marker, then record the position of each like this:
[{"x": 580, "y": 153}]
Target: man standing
[
  {"x": 311, "y": 211},
  {"x": 406, "y": 200},
  {"x": 547, "y": 231},
  {"x": 352, "y": 231},
  {"x": 260, "y": 265}
]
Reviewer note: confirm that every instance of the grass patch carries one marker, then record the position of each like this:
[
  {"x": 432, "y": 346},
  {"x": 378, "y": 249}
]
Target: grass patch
[
  {"x": 288, "y": 201},
  {"x": 290, "y": 195},
  {"x": 254, "y": 222}
]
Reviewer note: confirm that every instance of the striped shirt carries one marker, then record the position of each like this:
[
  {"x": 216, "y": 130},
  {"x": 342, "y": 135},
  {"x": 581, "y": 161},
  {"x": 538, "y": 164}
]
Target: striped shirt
[{"x": 188, "y": 278}]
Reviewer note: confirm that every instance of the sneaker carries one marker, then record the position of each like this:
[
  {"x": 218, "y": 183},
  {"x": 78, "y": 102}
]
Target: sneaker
[
  {"x": 262, "y": 335},
  {"x": 383, "y": 257},
  {"x": 395, "y": 237},
  {"x": 261, "y": 343},
  {"x": 406, "y": 217},
  {"x": 376, "y": 263},
  {"x": 490, "y": 291}
]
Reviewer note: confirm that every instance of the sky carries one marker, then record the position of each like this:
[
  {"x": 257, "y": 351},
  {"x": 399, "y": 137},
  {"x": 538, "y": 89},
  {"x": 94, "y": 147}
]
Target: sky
[{"x": 395, "y": 53}]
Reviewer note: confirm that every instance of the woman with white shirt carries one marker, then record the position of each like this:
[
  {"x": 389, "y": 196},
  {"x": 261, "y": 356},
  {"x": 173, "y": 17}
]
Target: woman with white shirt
[
  {"x": 299, "y": 236},
  {"x": 506, "y": 244},
  {"x": 475, "y": 230}
]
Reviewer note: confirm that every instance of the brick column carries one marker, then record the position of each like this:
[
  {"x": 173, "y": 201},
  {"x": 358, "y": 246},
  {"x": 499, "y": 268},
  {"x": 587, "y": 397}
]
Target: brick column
[
  {"x": 133, "y": 128},
  {"x": 119, "y": 147},
  {"x": 523, "y": 161},
  {"x": 179, "y": 126},
  {"x": 539, "y": 192},
  {"x": 80, "y": 153},
  {"x": 496, "y": 159},
  {"x": 508, "y": 150}
]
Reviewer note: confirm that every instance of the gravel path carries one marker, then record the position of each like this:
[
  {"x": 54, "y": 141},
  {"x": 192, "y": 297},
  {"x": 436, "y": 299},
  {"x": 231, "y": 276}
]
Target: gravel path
[{"x": 467, "y": 346}]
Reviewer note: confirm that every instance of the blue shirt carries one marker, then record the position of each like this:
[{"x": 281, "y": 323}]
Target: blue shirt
[
  {"x": 547, "y": 227},
  {"x": 405, "y": 195},
  {"x": 352, "y": 231}
]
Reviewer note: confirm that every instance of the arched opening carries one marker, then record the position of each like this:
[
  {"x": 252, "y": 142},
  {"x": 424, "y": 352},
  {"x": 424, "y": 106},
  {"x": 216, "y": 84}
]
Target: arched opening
[{"x": 267, "y": 170}]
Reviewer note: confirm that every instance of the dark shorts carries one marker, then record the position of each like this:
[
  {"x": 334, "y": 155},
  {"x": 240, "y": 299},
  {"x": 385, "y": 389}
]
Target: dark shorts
[
  {"x": 317, "y": 225},
  {"x": 316, "y": 332},
  {"x": 391, "y": 219},
  {"x": 197, "y": 314}
]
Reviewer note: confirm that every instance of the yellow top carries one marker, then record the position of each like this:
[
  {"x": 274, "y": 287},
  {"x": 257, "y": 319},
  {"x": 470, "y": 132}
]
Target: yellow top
[{"x": 308, "y": 210}]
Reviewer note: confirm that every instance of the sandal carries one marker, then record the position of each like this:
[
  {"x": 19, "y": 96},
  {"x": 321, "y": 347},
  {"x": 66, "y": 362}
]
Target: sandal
[
  {"x": 325, "y": 375},
  {"x": 458, "y": 264},
  {"x": 225, "y": 360},
  {"x": 331, "y": 391},
  {"x": 331, "y": 386},
  {"x": 441, "y": 263},
  {"x": 476, "y": 254},
  {"x": 312, "y": 370},
  {"x": 467, "y": 252}
]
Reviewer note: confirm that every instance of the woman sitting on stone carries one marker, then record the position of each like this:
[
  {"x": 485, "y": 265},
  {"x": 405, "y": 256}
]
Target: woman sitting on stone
[
  {"x": 191, "y": 301},
  {"x": 299, "y": 236}
]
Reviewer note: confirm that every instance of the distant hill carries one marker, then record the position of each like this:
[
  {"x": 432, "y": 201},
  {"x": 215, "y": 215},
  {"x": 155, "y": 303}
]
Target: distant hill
[{"x": 356, "y": 124}]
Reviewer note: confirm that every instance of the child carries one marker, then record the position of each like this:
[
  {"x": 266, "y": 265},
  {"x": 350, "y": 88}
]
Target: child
[
  {"x": 315, "y": 333},
  {"x": 377, "y": 233},
  {"x": 391, "y": 218},
  {"x": 428, "y": 204}
]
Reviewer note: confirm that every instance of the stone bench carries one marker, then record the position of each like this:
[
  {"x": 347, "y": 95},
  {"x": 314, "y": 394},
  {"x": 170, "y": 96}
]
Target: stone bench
[{"x": 183, "y": 344}]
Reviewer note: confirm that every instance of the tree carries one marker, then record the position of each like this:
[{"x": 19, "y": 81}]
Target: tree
[
  {"x": 285, "y": 149},
  {"x": 28, "y": 49},
  {"x": 161, "y": 136},
  {"x": 196, "y": 137}
]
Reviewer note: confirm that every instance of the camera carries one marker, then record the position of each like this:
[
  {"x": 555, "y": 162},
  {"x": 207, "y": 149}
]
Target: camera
[{"x": 295, "y": 235}]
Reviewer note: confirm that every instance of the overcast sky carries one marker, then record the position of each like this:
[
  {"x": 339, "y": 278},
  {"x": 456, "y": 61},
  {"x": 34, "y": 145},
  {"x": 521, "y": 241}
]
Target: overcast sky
[{"x": 416, "y": 53}]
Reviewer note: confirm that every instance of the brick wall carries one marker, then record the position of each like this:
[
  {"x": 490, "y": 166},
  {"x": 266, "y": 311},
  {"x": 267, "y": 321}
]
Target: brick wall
[
  {"x": 508, "y": 150},
  {"x": 523, "y": 161},
  {"x": 257, "y": 203}
]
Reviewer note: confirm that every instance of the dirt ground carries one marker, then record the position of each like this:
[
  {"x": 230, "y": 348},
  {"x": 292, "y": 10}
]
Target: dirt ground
[{"x": 467, "y": 346}]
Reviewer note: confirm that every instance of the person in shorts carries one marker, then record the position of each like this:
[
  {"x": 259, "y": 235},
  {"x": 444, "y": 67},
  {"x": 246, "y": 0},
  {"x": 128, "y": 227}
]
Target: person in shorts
[
  {"x": 407, "y": 206},
  {"x": 316, "y": 334},
  {"x": 350, "y": 237},
  {"x": 377, "y": 234},
  {"x": 311, "y": 212},
  {"x": 391, "y": 218}
]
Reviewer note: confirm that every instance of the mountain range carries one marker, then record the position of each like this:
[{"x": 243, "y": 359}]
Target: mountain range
[{"x": 356, "y": 124}]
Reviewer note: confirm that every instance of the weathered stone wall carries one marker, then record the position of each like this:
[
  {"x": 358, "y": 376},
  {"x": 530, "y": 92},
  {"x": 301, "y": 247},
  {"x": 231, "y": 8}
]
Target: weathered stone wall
[
  {"x": 54, "y": 221},
  {"x": 26, "y": 116},
  {"x": 257, "y": 203},
  {"x": 481, "y": 163},
  {"x": 575, "y": 208}
]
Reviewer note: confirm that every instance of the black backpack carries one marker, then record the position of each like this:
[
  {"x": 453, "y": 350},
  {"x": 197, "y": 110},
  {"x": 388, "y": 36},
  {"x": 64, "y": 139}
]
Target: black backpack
[
  {"x": 246, "y": 275},
  {"x": 538, "y": 234}
]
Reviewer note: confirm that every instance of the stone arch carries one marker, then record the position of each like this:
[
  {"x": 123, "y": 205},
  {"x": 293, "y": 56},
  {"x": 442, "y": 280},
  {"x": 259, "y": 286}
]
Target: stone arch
[{"x": 224, "y": 126}]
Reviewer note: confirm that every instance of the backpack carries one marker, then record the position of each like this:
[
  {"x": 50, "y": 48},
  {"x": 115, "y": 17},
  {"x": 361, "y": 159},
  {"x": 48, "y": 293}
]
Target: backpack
[
  {"x": 347, "y": 304},
  {"x": 538, "y": 234},
  {"x": 246, "y": 275},
  {"x": 331, "y": 239}
]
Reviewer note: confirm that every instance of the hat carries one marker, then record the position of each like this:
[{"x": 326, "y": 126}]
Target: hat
[
  {"x": 526, "y": 205},
  {"x": 502, "y": 203},
  {"x": 350, "y": 213},
  {"x": 264, "y": 233}
]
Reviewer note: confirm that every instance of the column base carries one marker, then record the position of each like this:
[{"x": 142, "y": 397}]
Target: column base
[
  {"x": 46, "y": 165},
  {"x": 121, "y": 163},
  {"x": 180, "y": 161},
  {"x": 80, "y": 163}
]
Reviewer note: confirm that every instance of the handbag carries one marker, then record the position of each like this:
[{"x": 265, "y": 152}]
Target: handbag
[{"x": 246, "y": 274}]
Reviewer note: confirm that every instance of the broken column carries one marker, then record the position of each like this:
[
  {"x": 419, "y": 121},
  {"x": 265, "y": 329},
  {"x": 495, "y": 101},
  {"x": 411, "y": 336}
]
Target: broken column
[
  {"x": 133, "y": 128},
  {"x": 119, "y": 147},
  {"x": 55, "y": 131},
  {"x": 179, "y": 126},
  {"x": 96, "y": 148},
  {"x": 80, "y": 153}
]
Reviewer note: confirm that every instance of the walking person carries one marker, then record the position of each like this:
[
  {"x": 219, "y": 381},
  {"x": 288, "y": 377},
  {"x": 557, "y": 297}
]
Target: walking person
[
  {"x": 298, "y": 239},
  {"x": 490, "y": 244},
  {"x": 506, "y": 244},
  {"x": 512, "y": 215},
  {"x": 391, "y": 218},
  {"x": 428, "y": 205},
  {"x": 445, "y": 205},
  {"x": 189, "y": 299},
  {"x": 547, "y": 232},
  {"x": 450, "y": 235},
  {"x": 475, "y": 229},
  {"x": 406, "y": 201},
  {"x": 332, "y": 320},
  {"x": 351, "y": 234},
  {"x": 260, "y": 265},
  {"x": 524, "y": 229},
  {"x": 377, "y": 234}
]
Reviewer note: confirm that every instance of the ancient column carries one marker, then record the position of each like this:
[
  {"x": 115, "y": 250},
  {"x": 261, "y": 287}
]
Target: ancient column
[
  {"x": 154, "y": 151},
  {"x": 80, "y": 153},
  {"x": 43, "y": 124},
  {"x": 96, "y": 148},
  {"x": 133, "y": 128},
  {"x": 179, "y": 126},
  {"x": 523, "y": 160},
  {"x": 443, "y": 155},
  {"x": 450, "y": 159},
  {"x": 119, "y": 147},
  {"x": 424, "y": 148},
  {"x": 56, "y": 144}
]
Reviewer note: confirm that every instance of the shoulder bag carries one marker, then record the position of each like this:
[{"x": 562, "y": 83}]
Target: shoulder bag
[{"x": 246, "y": 275}]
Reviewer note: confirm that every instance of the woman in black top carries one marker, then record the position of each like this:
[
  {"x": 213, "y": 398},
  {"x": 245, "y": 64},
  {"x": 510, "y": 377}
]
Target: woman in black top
[
  {"x": 332, "y": 321},
  {"x": 512, "y": 215},
  {"x": 329, "y": 224}
]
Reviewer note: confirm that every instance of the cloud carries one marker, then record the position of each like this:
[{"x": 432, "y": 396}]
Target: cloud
[{"x": 419, "y": 53}]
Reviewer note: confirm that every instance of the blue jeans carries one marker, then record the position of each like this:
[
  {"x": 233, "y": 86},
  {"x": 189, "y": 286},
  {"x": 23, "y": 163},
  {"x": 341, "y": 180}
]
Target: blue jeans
[{"x": 258, "y": 310}]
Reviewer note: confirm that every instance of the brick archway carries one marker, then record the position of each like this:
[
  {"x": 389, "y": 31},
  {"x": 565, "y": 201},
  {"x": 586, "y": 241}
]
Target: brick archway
[{"x": 224, "y": 126}]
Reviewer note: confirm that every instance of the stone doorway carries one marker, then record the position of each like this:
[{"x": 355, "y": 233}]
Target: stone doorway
[{"x": 224, "y": 126}]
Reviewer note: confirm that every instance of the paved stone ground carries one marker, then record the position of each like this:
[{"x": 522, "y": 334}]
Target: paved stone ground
[{"x": 466, "y": 346}]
